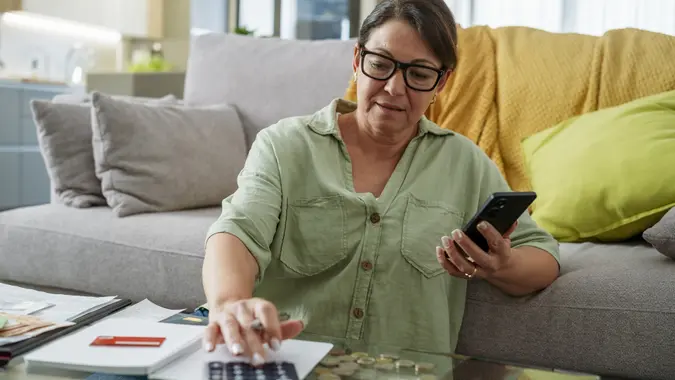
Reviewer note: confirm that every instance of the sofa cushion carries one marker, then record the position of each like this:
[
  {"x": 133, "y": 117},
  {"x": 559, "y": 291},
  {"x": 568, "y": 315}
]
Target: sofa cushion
[
  {"x": 606, "y": 175},
  {"x": 64, "y": 135},
  {"x": 662, "y": 234},
  {"x": 282, "y": 77},
  {"x": 154, "y": 256},
  {"x": 610, "y": 312},
  {"x": 154, "y": 158}
]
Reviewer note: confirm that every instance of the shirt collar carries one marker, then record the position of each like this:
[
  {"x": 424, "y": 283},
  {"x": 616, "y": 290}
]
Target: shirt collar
[{"x": 324, "y": 121}]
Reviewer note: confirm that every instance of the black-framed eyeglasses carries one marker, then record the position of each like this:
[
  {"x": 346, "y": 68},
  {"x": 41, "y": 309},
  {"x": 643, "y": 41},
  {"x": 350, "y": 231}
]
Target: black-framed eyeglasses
[{"x": 416, "y": 76}]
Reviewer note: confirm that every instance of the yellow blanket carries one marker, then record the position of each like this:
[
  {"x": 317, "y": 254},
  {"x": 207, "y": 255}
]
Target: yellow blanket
[{"x": 515, "y": 81}]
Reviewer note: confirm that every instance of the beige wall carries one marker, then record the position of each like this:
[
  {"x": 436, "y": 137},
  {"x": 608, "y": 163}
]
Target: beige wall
[{"x": 366, "y": 7}]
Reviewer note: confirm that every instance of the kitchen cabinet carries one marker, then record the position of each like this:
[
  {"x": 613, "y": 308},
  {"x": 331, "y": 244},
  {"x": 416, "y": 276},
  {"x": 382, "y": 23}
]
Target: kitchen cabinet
[
  {"x": 133, "y": 18},
  {"x": 23, "y": 176}
]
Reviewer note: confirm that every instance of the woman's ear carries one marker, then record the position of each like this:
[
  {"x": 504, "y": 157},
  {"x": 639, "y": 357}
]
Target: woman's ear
[
  {"x": 355, "y": 60},
  {"x": 444, "y": 80}
]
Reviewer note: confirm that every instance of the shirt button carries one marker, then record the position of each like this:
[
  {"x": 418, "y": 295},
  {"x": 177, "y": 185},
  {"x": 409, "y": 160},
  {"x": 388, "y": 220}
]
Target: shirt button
[
  {"x": 358, "y": 312},
  {"x": 366, "y": 265},
  {"x": 375, "y": 218}
]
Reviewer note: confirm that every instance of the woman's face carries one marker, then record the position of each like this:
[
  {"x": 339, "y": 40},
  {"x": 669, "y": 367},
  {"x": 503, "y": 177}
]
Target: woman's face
[{"x": 391, "y": 104}]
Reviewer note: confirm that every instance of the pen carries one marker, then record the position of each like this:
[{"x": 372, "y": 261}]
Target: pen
[{"x": 258, "y": 326}]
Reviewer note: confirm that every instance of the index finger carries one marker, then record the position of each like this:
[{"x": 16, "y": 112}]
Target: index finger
[{"x": 269, "y": 317}]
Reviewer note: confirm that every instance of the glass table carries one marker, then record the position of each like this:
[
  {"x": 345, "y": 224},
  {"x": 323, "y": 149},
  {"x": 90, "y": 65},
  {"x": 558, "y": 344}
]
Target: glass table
[{"x": 355, "y": 361}]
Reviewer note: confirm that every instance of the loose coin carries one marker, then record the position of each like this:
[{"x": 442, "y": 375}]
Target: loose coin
[
  {"x": 330, "y": 362},
  {"x": 350, "y": 365},
  {"x": 385, "y": 367},
  {"x": 364, "y": 374},
  {"x": 360, "y": 354},
  {"x": 382, "y": 360},
  {"x": 321, "y": 370},
  {"x": 342, "y": 371},
  {"x": 329, "y": 376},
  {"x": 347, "y": 359},
  {"x": 337, "y": 352},
  {"x": 367, "y": 361},
  {"x": 403, "y": 363},
  {"x": 424, "y": 368}
]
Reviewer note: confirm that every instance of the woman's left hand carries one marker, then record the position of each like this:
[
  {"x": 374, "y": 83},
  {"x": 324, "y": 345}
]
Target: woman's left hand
[{"x": 482, "y": 264}]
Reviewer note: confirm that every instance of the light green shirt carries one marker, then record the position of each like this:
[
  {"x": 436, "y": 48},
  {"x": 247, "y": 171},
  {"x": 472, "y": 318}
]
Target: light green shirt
[{"x": 351, "y": 265}]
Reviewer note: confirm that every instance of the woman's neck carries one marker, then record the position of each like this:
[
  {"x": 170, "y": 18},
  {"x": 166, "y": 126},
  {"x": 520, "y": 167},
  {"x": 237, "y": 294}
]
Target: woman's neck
[{"x": 376, "y": 143}]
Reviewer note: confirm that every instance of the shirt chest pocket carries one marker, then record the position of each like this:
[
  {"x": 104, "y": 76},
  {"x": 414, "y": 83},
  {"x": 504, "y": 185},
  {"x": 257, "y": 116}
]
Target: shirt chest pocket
[
  {"x": 424, "y": 224},
  {"x": 315, "y": 238}
]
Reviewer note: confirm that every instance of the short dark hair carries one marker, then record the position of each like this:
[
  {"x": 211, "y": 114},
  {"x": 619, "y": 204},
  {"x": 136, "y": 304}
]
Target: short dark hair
[{"x": 432, "y": 19}]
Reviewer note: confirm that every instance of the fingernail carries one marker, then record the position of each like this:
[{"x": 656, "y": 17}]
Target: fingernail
[
  {"x": 258, "y": 359},
  {"x": 208, "y": 346},
  {"x": 237, "y": 349},
  {"x": 275, "y": 344},
  {"x": 446, "y": 241},
  {"x": 482, "y": 226},
  {"x": 457, "y": 234}
]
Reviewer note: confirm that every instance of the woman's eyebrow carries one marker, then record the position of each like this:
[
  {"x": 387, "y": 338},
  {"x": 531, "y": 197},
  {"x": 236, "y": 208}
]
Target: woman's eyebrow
[{"x": 417, "y": 61}]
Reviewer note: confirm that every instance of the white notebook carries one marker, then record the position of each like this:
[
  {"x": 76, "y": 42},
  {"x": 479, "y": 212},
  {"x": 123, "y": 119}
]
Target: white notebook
[
  {"x": 75, "y": 353},
  {"x": 304, "y": 355}
]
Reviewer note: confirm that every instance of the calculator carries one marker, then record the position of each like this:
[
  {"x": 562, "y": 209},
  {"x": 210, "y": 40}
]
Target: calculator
[{"x": 245, "y": 371}]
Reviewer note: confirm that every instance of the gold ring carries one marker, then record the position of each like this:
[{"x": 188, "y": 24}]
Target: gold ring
[{"x": 475, "y": 269}]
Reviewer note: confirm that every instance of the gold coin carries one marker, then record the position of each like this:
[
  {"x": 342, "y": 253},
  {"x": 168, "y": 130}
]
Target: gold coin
[
  {"x": 386, "y": 367},
  {"x": 341, "y": 371},
  {"x": 367, "y": 361},
  {"x": 330, "y": 362},
  {"x": 381, "y": 360},
  {"x": 424, "y": 368},
  {"x": 329, "y": 376},
  {"x": 405, "y": 363},
  {"x": 347, "y": 359},
  {"x": 427, "y": 377},
  {"x": 350, "y": 365},
  {"x": 389, "y": 356},
  {"x": 364, "y": 374},
  {"x": 360, "y": 355},
  {"x": 321, "y": 370}
]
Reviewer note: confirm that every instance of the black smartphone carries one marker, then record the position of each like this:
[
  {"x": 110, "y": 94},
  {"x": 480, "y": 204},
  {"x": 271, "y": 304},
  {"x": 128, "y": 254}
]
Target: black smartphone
[{"x": 501, "y": 210}]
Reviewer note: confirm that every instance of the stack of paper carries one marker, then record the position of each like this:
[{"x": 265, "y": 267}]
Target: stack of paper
[
  {"x": 51, "y": 310},
  {"x": 76, "y": 352}
]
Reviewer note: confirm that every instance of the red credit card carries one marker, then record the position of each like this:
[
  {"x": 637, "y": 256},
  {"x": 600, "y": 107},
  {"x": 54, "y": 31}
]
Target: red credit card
[{"x": 128, "y": 341}]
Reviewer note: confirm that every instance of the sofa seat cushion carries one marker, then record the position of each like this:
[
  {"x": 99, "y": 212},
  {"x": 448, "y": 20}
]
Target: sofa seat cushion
[
  {"x": 611, "y": 311},
  {"x": 155, "y": 256}
]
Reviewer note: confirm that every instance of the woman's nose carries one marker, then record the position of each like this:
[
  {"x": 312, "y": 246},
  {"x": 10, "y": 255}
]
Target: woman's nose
[{"x": 396, "y": 84}]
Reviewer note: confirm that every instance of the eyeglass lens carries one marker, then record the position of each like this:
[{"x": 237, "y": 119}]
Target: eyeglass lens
[{"x": 419, "y": 78}]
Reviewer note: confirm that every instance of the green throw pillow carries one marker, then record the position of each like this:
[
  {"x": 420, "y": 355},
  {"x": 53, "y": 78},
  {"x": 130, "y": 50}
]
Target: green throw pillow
[{"x": 607, "y": 175}]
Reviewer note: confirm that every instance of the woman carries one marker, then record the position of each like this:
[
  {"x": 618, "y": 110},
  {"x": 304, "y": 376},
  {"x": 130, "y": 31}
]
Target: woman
[{"x": 341, "y": 219}]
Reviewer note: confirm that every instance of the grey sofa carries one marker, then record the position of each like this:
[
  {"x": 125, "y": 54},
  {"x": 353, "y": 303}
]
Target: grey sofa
[{"x": 611, "y": 312}]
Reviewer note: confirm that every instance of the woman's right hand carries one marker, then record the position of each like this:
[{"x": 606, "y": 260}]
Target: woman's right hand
[{"x": 230, "y": 324}]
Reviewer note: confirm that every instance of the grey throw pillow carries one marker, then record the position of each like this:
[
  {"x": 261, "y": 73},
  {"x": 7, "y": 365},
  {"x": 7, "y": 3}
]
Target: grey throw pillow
[
  {"x": 155, "y": 158},
  {"x": 64, "y": 136},
  {"x": 662, "y": 235}
]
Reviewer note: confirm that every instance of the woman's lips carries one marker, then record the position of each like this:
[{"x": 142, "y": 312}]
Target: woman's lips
[{"x": 389, "y": 107}]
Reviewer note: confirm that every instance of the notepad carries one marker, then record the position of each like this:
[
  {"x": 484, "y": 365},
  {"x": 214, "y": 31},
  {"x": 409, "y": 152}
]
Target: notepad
[
  {"x": 304, "y": 355},
  {"x": 75, "y": 352}
]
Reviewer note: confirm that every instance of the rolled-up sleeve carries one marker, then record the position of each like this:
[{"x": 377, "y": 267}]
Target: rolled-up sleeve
[
  {"x": 252, "y": 212},
  {"x": 527, "y": 233}
]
